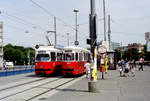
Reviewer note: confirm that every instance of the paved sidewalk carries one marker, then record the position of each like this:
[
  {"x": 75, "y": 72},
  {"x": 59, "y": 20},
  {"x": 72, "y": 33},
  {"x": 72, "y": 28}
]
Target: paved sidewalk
[{"x": 113, "y": 88}]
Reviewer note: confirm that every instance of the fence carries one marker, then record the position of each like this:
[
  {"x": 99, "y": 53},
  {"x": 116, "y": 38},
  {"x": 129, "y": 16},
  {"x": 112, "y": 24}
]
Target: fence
[{"x": 16, "y": 70}]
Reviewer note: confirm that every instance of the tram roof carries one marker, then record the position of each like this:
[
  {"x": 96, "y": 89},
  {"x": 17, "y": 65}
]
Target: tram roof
[
  {"x": 76, "y": 48},
  {"x": 48, "y": 48}
]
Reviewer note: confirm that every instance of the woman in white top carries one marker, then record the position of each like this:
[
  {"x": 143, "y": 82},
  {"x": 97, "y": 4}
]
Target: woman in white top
[{"x": 87, "y": 65}]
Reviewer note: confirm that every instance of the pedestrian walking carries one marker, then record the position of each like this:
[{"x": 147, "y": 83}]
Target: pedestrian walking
[
  {"x": 120, "y": 71},
  {"x": 126, "y": 71},
  {"x": 134, "y": 63},
  {"x": 122, "y": 63},
  {"x": 141, "y": 64},
  {"x": 132, "y": 71},
  {"x": 87, "y": 65}
]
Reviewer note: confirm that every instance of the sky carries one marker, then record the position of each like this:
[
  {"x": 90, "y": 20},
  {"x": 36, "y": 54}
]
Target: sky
[{"x": 25, "y": 23}]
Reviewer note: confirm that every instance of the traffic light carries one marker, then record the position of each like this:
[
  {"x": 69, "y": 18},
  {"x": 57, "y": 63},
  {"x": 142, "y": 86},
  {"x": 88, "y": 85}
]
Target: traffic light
[{"x": 88, "y": 41}]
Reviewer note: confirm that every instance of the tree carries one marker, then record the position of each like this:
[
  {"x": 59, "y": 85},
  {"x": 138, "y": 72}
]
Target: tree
[
  {"x": 118, "y": 53},
  {"x": 128, "y": 54},
  {"x": 17, "y": 54}
]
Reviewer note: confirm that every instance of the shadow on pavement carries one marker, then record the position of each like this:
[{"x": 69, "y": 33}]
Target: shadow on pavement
[
  {"x": 72, "y": 90},
  {"x": 32, "y": 75}
]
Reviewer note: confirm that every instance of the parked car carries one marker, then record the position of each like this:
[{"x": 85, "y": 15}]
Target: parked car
[{"x": 9, "y": 65}]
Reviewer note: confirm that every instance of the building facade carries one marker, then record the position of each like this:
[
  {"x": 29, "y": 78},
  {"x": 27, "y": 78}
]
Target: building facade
[
  {"x": 137, "y": 46},
  {"x": 114, "y": 45}
]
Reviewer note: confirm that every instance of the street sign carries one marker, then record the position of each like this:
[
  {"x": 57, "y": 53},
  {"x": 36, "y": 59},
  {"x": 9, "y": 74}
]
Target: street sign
[
  {"x": 76, "y": 42},
  {"x": 102, "y": 49}
]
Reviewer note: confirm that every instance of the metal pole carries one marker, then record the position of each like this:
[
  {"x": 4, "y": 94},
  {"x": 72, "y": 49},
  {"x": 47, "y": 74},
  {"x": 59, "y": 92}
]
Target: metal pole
[
  {"x": 68, "y": 38},
  {"x": 104, "y": 11},
  {"x": 109, "y": 31},
  {"x": 1, "y": 45},
  {"x": 92, "y": 84},
  {"x": 55, "y": 30},
  {"x": 121, "y": 50},
  {"x": 76, "y": 26},
  {"x": 29, "y": 57}
]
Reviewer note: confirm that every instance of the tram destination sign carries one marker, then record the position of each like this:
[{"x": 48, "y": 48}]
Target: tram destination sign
[{"x": 41, "y": 52}]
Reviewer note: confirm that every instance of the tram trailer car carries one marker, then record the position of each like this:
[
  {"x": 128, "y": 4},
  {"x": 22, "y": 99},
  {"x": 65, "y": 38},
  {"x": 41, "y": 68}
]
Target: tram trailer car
[
  {"x": 74, "y": 60},
  {"x": 48, "y": 60}
]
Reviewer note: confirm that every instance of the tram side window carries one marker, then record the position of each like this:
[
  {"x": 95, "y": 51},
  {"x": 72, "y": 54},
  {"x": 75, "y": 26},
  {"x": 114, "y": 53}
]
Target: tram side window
[
  {"x": 69, "y": 56},
  {"x": 85, "y": 57},
  {"x": 88, "y": 56},
  {"x": 59, "y": 56},
  {"x": 80, "y": 57},
  {"x": 76, "y": 56},
  {"x": 53, "y": 56}
]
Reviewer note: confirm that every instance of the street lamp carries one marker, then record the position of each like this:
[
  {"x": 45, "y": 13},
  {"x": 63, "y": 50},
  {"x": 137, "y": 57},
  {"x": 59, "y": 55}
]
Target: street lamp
[
  {"x": 76, "y": 11},
  {"x": 67, "y": 38}
]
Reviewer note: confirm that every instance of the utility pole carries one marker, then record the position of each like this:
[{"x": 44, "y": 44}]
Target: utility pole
[
  {"x": 93, "y": 42},
  {"x": 121, "y": 50},
  {"x": 109, "y": 31},
  {"x": 68, "y": 38},
  {"x": 1, "y": 45},
  {"x": 104, "y": 11},
  {"x": 55, "y": 30},
  {"x": 29, "y": 57},
  {"x": 76, "y": 26}
]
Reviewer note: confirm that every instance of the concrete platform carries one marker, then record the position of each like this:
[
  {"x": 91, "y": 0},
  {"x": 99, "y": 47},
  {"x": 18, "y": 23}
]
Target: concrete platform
[{"x": 112, "y": 88}]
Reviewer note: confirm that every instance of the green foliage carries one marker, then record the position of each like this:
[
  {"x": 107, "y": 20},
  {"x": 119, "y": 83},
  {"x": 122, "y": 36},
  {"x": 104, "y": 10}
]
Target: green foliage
[
  {"x": 128, "y": 54},
  {"x": 118, "y": 54},
  {"x": 18, "y": 54}
]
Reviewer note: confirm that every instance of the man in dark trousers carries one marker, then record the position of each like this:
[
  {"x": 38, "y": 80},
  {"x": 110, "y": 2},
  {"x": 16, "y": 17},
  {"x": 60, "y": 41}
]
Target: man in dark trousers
[{"x": 141, "y": 64}]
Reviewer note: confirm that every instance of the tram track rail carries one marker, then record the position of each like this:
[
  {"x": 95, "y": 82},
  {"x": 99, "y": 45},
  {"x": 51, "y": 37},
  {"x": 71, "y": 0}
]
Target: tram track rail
[
  {"x": 21, "y": 84},
  {"x": 51, "y": 89},
  {"x": 28, "y": 88}
]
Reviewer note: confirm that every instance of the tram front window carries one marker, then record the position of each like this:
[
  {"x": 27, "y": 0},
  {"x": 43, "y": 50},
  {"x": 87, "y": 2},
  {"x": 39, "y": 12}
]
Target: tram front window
[
  {"x": 42, "y": 57},
  {"x": 69, "y": 56}
]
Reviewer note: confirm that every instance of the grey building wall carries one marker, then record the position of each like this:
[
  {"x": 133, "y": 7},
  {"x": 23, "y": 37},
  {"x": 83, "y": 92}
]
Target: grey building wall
[{"x": 115, "y": 45}]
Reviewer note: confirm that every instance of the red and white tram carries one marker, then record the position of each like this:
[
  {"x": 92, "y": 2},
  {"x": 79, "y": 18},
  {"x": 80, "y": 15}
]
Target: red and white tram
[
  {"x": 74, "y": 60},
  {"x": 48, "y": 60}
]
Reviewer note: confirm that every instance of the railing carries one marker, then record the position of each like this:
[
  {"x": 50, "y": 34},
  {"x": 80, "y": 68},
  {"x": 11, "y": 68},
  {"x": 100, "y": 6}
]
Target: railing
[{"x": 8, "y": 71}]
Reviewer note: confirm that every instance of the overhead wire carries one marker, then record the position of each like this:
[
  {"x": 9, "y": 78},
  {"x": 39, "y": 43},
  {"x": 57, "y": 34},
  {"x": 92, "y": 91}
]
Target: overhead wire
[
  {"x": 46, "y": 11},
  {"x": 23, "y": 21}
]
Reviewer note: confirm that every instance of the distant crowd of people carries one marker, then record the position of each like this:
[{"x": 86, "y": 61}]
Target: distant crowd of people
[
  {"x": 125, "y": 67},
  {"x": 129, "y": 66}
]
